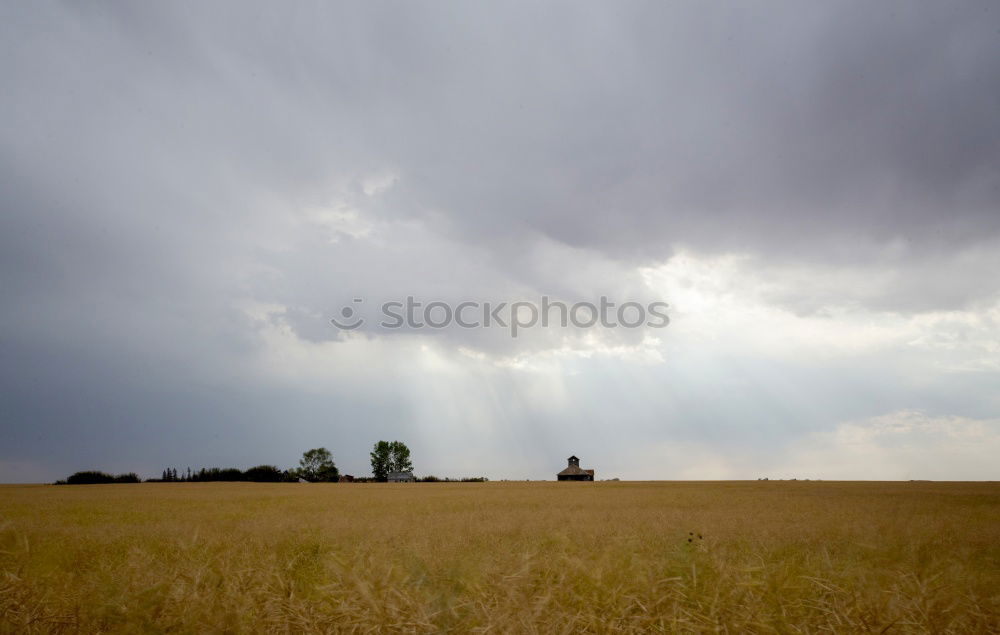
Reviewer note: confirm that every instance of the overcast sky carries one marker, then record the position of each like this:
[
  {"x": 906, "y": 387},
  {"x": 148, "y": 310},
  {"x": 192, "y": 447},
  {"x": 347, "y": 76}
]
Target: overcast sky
[{"x": 189, "y": 192}]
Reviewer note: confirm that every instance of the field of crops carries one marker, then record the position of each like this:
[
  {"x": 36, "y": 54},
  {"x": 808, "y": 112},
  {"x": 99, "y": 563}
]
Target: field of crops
[{"x": 507, "y": 557}]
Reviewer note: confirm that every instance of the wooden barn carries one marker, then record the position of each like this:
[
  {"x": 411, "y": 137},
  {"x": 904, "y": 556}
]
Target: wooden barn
[{"x": 574, "y": 472}]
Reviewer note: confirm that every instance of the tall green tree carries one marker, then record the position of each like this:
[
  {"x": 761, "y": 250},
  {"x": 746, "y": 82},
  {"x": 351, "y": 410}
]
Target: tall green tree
[
  {"x": 381, "y": 456},
  {"x": 390, "y": 456},
  {"x": 317, "y": 465},
  {"x": 400, "y": 457}
]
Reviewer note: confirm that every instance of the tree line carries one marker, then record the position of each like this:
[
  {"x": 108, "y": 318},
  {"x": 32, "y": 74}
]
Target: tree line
[
  {"x": 92, "y": 477},
  {"x": 315, "y": 466}
]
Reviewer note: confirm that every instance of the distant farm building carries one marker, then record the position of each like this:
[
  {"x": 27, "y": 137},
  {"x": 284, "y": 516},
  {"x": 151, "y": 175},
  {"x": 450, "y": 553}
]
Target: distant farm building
[
  {"x": 401, "y": 477},
  {"x": 574, "y": 472},
  {"x": 346, "y": 478}
]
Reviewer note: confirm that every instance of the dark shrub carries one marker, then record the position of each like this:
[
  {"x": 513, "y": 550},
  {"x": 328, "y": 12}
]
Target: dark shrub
[
  {"x": 218, "y": 474},
  {"x": 263, "y": 474},
  {"x": 230, "y": 474},
  {"x": 90, "y": 477}
]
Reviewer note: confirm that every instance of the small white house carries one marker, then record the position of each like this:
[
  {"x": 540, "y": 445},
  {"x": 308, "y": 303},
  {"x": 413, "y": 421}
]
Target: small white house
[{"x": 401, "y": 477}]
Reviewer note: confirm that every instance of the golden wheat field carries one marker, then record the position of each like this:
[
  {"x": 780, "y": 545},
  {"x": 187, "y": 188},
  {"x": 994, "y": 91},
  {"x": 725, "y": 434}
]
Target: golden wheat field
[{"x": 502, "y": 557}]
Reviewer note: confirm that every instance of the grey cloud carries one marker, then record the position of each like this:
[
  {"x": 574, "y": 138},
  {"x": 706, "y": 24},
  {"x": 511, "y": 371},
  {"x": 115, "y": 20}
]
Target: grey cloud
[{"x": 156, "y": 160}]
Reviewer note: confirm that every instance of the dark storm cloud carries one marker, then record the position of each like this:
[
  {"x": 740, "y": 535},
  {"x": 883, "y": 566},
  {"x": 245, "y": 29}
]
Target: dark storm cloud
[
  {"x": 620, "y": 129},
  {"x": 154, "y": 158}
]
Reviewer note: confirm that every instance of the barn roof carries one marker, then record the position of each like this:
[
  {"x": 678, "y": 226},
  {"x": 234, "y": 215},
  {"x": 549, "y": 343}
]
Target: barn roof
[{"x": 573, "y": 470}]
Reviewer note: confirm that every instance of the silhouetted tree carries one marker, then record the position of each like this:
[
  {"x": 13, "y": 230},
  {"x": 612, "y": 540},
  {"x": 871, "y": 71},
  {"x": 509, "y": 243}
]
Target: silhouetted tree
[
  {"x": 231, "y": 474},
  {"x": 93, "y": 477},
  {"x": 90, "y": 477},
  {"x": 317, "y": 465},
  {"x": 263, "y": 474}
]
